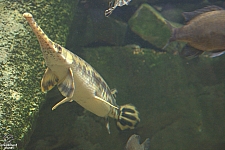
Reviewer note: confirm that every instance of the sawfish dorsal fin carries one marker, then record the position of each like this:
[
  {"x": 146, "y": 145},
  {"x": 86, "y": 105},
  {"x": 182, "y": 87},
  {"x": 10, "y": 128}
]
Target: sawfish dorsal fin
[
  {"x": 49, "y": 80},
  {"x": 66, "y": 86},
  {"x": 190, "y": 15}
]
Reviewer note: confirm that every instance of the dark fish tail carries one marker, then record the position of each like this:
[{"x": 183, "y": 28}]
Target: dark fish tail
[
  {"x": 146, "y": 144},
  {"x": 128, "y": 117},
  {"x": 133, "y": 143}
]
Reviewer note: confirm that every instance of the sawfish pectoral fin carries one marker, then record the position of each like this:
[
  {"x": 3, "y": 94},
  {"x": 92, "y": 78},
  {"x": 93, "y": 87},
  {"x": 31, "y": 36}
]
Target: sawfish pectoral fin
[
  {"x": 66, "y": 86},
  {"x": 48, "y": 81},
  {"x": 67, "y": 99}
]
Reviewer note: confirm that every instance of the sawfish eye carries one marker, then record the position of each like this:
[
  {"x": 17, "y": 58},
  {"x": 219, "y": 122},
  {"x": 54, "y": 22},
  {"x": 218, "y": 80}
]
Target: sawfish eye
[{"x": 59, "y": 49}]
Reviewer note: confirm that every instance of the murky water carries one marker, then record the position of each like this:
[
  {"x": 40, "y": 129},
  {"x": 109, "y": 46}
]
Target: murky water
[{"x": 181, "y": 101}]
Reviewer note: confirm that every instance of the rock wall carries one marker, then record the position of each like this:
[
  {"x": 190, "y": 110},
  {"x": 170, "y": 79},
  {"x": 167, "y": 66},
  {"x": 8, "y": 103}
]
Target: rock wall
[
  {"x": 22, "y": 64},
  {"x": 181, "y": 103}
]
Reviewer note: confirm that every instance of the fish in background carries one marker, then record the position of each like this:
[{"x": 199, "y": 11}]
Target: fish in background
[
  {"x": 133, "y": 143},
  {"x": 204, "y": 32},
  {"x": 114, "y": 4}
]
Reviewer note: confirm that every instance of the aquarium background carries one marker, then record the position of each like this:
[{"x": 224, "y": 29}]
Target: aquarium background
[{"x": 181, "y": 101}]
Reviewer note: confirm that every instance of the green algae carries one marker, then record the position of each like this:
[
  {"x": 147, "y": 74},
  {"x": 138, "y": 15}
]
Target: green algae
[
  {"x": 177, "y": 104},
  {"x": 88, "y": 29},
  {"x": 22, "y": 66},
  {"x": 177, "y": 98},
  {"x": 150, "y": 25}
]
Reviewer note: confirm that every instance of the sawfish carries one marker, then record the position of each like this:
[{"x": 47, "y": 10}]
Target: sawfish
[{"x": 79, "y": 81}]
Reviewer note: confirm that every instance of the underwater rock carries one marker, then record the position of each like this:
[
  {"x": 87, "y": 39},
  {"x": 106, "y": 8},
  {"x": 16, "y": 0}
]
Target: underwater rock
[
  {"x": 92, "y": 28},
  {"x": 22, "y": 65},
  {"x": 173, "y": 14},
  {"x": 181, "y": 102},
  {"x": 170, "y": 94},
  {"x": 150, "y": 26}
]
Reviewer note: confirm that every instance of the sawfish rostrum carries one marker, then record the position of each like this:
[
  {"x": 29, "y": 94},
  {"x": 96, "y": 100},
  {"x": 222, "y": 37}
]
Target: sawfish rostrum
[
  {"x": 204, "y": 32},
  {"x": 78, "y": 81}
]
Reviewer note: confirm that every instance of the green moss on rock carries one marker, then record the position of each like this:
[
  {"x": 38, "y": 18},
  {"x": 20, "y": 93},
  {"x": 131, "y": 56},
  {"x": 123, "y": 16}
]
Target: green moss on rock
[
  {"x": 180, "y": 100},
  {"x": 22, "y": 64},
  {"x": 150, "y": 25},
  {"x": 88, "y": 29}
]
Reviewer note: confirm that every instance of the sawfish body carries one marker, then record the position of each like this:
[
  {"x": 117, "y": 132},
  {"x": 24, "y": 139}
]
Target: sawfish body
[{"x": 78, "y": 81}]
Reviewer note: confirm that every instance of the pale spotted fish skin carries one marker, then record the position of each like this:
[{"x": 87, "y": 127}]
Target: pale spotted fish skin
[
  {"x": 78, "y": 81},
  {"x": 113, "y": 4},
  {"x": 204, "y": 32},
  {"x": 133, "y": 143}
]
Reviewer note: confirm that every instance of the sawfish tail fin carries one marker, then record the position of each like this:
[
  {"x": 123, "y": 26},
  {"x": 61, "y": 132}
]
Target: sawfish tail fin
[
  {"x": 128, "y": 117},
  {"x": 173, "y": 34}
]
